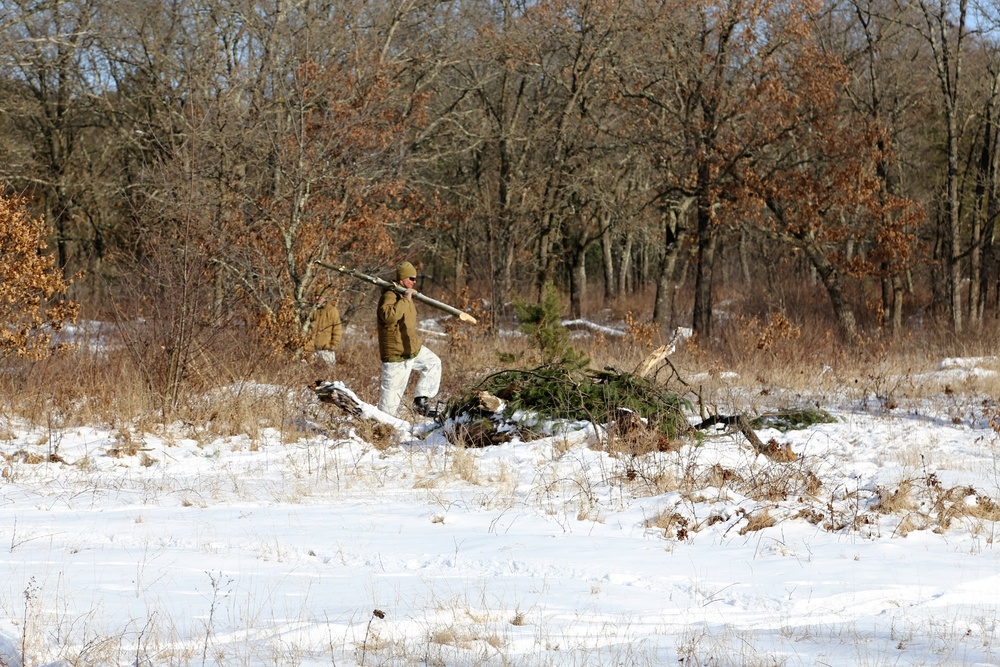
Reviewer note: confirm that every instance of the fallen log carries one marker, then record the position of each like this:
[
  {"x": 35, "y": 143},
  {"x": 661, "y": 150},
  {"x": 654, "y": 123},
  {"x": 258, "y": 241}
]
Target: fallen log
[
  {"x": 337, "y": 393},
  {"x": 328, "y": 392},
  {"x": 772, "y": 449},
  {"x": 737, "y": 422}
]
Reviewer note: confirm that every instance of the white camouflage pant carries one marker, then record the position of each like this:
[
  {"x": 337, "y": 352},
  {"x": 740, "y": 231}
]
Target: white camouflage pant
[
  {"x": 327, "y": 356},
  {"x": 396, "y": 374}
]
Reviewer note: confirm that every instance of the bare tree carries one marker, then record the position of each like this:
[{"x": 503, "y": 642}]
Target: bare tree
[
  {"x": 52, "y": 84},
  {"x": 700, "y": 78},
  {"x": 286, "y": 128},
  {"x": 944, "y": 26},
  {"x": 873, "y": 44},
  {"x": 484, "y": 150}
]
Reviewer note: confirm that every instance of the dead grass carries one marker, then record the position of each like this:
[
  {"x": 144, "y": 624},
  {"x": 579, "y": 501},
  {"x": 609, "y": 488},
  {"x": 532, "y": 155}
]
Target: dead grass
[
  {"x": 31, "y": 458},
  {"x": 673, "y": 524},
  {"x": 896, "y": 501},
  {"x": 758, "y": 521},
  {"x": 770, "y": 354},
  {"x": 465, "y": 466},
  {"x": 925, "y": 504},
  {"x": 379, "y": 435},
  {"x": 629, "y": 435},
  {"x": 758, "y": 360}
]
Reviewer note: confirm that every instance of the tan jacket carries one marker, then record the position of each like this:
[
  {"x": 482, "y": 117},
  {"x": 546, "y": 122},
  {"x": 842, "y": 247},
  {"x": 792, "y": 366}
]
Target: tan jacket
[
  {"x": 397, "y": 328},
  {"x": 327, "y": 329}
]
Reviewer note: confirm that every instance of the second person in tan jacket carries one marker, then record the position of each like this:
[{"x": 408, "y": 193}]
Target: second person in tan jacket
[{"x": 326, "y": 330}]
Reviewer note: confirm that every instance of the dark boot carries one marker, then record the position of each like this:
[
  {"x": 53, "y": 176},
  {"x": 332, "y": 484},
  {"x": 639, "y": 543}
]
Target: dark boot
[{"x": 420, "y": 406}]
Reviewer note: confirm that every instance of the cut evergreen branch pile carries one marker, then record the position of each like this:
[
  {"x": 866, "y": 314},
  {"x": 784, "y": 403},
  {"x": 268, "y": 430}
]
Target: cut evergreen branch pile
[
  {"x": 561, "y": 389},
  {"x": 560, "y": 393}
]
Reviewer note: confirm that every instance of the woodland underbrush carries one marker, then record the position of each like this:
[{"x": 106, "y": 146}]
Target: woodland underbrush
[{"x": 752, "y": 366}]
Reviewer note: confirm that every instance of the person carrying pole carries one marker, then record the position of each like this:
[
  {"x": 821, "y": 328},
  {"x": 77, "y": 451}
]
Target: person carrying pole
[{"x": 400, "y": 347}]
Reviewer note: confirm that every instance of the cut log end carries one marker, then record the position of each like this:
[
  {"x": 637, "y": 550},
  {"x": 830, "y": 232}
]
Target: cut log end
[{"x": 328, "y": 393}]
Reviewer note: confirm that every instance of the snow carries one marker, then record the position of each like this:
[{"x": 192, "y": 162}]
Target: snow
[{"x": 253, "y": 551}]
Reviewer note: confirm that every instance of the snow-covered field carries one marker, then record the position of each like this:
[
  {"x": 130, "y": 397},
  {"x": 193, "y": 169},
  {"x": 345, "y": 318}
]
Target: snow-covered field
[{"x": 874, "y": 547}]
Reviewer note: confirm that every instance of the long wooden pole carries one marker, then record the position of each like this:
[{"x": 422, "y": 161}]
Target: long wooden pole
[{"x": 399, "y": 289}]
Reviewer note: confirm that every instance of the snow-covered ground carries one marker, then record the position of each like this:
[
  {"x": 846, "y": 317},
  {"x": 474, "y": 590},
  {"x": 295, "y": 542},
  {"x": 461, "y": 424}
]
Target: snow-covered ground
[{"x": 329, "y": 551}]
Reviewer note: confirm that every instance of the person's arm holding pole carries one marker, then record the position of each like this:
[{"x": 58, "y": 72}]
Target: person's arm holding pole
[{"x": 399, "y": 289}]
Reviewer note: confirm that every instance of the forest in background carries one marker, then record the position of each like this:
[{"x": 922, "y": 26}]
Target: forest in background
[{"x": 194, "y": 160}]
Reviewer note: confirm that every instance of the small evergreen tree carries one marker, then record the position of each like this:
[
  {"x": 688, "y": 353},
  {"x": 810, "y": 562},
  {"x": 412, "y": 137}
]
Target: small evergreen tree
[{"x": 542, "y": 322}]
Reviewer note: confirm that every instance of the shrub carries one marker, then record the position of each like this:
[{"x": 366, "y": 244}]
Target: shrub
[{"x": 32, "y": 288}]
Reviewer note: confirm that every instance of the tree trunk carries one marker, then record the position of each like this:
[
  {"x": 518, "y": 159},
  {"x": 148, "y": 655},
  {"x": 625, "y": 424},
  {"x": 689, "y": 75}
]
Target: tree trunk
[
  {"x": 546, "y": 258},
  {"x": 946, "y": 34},
  {"x": 626, "y": 283},
  {"x": 744, "y": 260},
  {"x": 666, "y": 288},
  {"x": 498, "y": 240},
  {"x": 954, "y": 238},
  {"x": 887, "y": 296},
  {"x": 898, "y": 287},
  {"x": 498, "y": 251},
  {"x": 707, "y": 243},
  {"x": 986, "y": 207},
  {"x": 663, "y": 306},
  {"x": 610, "y": 285},
  {"x": 975, "y": 269},
  {"x": 830, "y": 277},
  {"x": 578, "y": 282}
]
